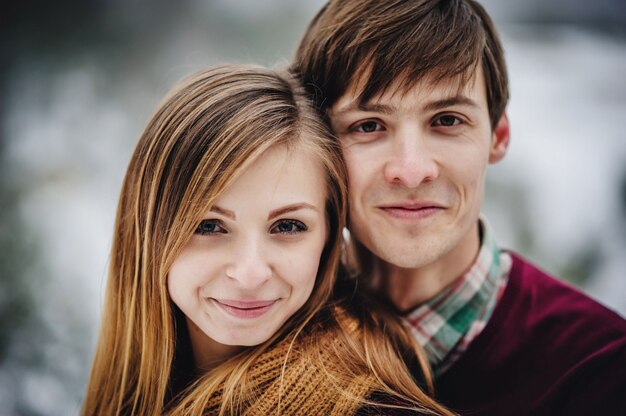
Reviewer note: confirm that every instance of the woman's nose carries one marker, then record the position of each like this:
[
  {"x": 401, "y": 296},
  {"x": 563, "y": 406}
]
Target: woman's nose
[{"x": 249, "y": 266}]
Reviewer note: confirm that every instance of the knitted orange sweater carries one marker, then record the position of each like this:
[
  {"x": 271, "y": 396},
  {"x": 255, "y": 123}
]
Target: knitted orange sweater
[{"x": 302, "y": 378}]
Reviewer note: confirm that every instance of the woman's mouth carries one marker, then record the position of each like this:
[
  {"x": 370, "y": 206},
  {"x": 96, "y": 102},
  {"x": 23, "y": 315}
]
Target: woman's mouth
[{"x": 244, "y": 309}]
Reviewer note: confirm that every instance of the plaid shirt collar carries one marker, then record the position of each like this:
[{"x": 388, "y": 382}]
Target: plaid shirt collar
[{"x": 446, "y": 324}]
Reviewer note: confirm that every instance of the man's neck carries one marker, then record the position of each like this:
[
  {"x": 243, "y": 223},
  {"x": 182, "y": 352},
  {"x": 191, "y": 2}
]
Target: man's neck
[{"x": 409, "y": 288}]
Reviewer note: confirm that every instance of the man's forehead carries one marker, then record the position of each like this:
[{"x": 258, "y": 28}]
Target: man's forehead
[{"x": 428, "y": 87}]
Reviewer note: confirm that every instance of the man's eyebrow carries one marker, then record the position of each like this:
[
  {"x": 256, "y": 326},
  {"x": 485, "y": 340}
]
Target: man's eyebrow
[
  {"x": 450, "y": 102},
  {"x": 368, "y": 107},
  {"x": 290, "y": 208},
  {"x": 389, "y": 109},
  {"x": 225, "y": 212}
]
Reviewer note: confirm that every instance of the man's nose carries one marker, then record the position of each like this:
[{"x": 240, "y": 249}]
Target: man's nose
[
  {"x": 411, "y": 161},
  {"x": 249, "y": 265}
]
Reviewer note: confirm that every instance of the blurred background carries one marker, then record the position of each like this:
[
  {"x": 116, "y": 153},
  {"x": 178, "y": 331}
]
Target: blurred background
[{"x": 79, "y": 80}]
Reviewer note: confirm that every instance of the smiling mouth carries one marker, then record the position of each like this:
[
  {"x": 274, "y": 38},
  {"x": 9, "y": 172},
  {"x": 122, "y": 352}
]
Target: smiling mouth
[
  {"x": 244, "y": 309},
  {"x": 412, "y": 211}
]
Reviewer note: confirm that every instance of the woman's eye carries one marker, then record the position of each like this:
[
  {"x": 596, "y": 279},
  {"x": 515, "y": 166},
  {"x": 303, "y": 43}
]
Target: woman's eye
[
  {"x": 288, "y": 227},
  {"x": 447, "y": 121},
  {"x": 209, "y": 227},
  {"x": 369, "y": 126}
]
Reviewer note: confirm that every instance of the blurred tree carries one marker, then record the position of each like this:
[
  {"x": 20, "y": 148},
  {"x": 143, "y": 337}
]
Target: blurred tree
[
  {"x": 17, "y": 253},
  {"x": 30, "y": 31},
  {"x": 622, "y": 193}
]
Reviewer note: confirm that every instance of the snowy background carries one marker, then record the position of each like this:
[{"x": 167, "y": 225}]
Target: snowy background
[{"x": 79, "y": 80}]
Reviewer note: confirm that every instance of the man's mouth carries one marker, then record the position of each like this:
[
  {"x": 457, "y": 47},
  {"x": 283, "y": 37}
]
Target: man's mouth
[{"x": 412, "y": 210}]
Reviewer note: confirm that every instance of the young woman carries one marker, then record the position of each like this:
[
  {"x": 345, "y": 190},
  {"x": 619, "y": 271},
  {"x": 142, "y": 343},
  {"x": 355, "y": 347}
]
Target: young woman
[{"x": 222, "y": 295}]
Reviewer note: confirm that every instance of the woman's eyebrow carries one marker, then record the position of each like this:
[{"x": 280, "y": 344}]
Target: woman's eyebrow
[
  {"x": 290, "y": 208},
  {"x": 223, "y": 211}
]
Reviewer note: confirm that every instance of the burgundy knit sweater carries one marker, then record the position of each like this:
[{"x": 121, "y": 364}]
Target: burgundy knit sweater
[{"x": 548, "y": 349}]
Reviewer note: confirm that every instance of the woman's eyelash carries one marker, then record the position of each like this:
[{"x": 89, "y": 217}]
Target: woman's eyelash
[
  {"x": 288, "y": 227},
  {"x": 207, "y": 227}
]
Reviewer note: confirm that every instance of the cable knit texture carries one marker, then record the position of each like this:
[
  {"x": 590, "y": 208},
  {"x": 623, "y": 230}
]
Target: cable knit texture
[{"x": 305, "y": 387}]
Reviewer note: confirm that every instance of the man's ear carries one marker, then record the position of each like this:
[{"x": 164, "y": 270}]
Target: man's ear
[{"x": 500, "y": 140}]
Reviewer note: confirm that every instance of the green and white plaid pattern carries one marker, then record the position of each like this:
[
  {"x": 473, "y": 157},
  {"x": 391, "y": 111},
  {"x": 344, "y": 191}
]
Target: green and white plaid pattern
[{"x": 446, "y": 324}]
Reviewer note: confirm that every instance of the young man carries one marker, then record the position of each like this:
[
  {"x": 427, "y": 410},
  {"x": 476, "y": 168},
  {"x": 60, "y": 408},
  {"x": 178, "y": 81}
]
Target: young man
[{"x": 416, "y": 91}]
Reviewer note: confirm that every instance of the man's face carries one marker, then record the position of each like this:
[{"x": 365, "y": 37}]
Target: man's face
[{"x": 416, "y": 165}]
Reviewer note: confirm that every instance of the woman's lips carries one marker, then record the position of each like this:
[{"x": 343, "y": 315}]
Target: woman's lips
[{"x": 244, "y": 309}]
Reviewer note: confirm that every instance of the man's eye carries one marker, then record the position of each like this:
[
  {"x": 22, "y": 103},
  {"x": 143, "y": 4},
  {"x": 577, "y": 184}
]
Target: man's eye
[
  {"x": 209, "y": 227},
  {"x": 288, "y": 227},
  {"x": 447, "y": 121},
  {"x": 369, "y": 126}
]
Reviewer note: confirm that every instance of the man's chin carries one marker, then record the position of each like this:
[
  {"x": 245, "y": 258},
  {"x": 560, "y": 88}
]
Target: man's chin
[{"x": 408, "y": 259}]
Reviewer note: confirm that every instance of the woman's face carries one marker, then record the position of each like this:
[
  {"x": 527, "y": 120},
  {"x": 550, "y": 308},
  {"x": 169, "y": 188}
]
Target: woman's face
[{"x": 253, "y": 259}]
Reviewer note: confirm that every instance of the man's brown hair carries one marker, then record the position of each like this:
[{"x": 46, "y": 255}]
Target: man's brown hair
[{"x": 373, "y": 43}]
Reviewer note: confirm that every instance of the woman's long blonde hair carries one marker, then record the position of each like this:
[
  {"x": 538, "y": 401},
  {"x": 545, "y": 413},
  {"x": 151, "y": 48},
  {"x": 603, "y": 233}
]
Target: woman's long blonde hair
[{"x": 203, "y": 135}]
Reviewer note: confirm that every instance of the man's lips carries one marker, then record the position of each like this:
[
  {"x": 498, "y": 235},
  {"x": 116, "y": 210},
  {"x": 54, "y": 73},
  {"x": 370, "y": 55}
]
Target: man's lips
[{"x": 412, "y": 210}]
